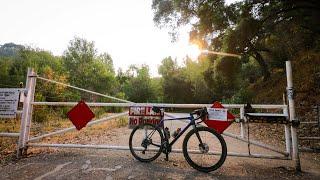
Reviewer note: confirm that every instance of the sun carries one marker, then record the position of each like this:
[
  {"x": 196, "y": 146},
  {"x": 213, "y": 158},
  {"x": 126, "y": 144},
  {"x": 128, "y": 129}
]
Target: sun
[
  {"x": 190, "y": 50},
  {"x": 193, "y": 51}
]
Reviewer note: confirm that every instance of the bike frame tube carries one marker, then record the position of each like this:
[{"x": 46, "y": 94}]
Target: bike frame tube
[
  {"x": 190, "y": 118},
  {"x": 183, "y": 130}
]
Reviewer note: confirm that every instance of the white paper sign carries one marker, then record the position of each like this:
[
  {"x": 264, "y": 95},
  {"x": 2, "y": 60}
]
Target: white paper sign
[
  {"x": 219, "y": 114},
  {"x": 9, "y": 98}
]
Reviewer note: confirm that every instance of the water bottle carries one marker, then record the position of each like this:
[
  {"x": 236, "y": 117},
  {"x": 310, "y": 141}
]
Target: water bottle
[
  {"x": 176, "y": 132},
  {"x": 167, "y": 132}
]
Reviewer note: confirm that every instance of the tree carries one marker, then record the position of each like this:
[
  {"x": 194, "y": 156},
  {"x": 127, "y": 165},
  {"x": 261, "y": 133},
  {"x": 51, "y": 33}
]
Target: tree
[
  {"x": 87, "y": 69},
  {"x": 176, "y": 88},
  {"x": 106, "y": 59},
  {"x": 78, "y": 57},
  {"x": 243, "y": 27},
  {"x": 193, "y": 72},
  {"x": 138, "y": 86}
]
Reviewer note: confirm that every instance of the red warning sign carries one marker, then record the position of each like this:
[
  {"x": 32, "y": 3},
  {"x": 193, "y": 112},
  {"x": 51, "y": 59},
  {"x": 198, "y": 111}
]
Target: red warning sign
[
  {"x": 80, "y": 115},
  {"x": 219, "y": 118}
]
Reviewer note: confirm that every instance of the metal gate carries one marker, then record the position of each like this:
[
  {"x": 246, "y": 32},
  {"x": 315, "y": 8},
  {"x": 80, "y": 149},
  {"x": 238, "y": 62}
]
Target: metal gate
[{"x": 25, "y": 141}]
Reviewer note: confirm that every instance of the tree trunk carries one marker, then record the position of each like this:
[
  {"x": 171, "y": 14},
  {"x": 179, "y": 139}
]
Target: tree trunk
[{"x": 263, "y": 65}]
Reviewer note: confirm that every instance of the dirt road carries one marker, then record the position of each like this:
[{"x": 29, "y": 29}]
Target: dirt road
[{"x": 107, "y": 164}]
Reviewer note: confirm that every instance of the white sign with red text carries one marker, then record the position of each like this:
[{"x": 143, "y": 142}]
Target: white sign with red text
[{"x": 141, "y": 115}]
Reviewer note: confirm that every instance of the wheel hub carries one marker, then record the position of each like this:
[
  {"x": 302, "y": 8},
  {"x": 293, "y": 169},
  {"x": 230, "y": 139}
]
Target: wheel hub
[
  {"x": 204, "y": 148},
  {"x": 146, "y": 142}
]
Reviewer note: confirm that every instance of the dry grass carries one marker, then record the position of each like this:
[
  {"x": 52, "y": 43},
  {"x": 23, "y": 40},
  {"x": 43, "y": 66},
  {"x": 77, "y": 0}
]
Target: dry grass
[{"x": 8, "y": 145}]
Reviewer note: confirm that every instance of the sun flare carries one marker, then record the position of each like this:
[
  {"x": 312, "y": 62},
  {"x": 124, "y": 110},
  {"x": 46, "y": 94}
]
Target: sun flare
[{"x": 191, "y": 50}]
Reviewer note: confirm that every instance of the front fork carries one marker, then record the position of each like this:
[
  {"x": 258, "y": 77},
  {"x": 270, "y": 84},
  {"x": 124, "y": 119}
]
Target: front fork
[{"x": 201, "y": 145}]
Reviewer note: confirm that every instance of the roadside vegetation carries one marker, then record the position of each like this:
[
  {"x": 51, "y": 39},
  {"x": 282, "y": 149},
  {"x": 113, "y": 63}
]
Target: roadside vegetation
[{"x": 265, "y": 33}]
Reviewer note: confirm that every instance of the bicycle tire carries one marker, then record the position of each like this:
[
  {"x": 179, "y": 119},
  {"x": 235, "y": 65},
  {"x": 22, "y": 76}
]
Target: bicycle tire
[
  {"x": 197, "y": 166},
  {"x": 136, "y": 153}
]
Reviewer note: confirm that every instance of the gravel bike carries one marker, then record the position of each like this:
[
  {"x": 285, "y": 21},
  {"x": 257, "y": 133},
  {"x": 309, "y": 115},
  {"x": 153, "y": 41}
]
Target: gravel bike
[{"x": 203, "y": 148}]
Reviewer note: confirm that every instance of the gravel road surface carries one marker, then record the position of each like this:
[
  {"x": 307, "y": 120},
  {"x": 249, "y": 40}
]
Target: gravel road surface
[{"x": 71, "y": 164}]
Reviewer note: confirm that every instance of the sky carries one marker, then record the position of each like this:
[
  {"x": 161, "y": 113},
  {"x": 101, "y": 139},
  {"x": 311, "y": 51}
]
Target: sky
[{"x": 124, "y": 29}]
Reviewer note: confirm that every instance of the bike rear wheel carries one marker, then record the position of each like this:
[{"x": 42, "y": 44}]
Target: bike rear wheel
[
  {"x": 146, "y": 142},
  {"x": 204, "y": 149}
]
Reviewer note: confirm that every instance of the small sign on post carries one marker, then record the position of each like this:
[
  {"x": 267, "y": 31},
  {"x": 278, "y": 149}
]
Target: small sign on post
[
  {"x": 141, "y": 115},
  {"x": 218, "y": 114},
  {"x": 218, "y": 117},
  {"x": 9, "y": 98}
]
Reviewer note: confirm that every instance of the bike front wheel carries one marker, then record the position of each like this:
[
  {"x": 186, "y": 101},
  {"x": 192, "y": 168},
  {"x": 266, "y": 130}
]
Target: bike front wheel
[
  {"x": 204, "y": 149},
  {"x": 146, "y": 142}
]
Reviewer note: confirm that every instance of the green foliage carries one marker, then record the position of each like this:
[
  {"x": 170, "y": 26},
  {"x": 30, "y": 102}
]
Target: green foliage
[
  {"x": 184, "y": 84},
  {"x": 265, "y": 34},
  {"x": 242, "y": 96},
  {"x": 138, "y": 86},
  {"x": 80, "y": 66},
  {"x": 87, "y": 69},
  {"x": 270, "y": 32},
  {"x": 250, "y": 71},
  {"x": 176, "y": 87}
]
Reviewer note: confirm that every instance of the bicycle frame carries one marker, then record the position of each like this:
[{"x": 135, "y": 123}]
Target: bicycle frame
[
  {"x": 165, "y": 146},
  {"x": 190, "y": 118}
]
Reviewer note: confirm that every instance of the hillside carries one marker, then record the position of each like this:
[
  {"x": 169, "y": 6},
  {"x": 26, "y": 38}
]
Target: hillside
[
  {"x": 306, "y": 79},
  {"x": 10, "y": 49}
]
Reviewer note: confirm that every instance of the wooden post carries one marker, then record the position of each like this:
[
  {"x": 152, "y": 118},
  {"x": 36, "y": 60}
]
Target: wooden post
[
  {"x": 33, "y": 81},
  {"x": 26, "y": 113},
  {"x": 292, "y": 115}
]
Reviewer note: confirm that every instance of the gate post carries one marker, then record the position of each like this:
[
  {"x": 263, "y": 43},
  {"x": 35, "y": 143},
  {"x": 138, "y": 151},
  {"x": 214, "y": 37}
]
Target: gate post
[
  {"x": 287, "y": 127},
  {"x": 243, "y": 125},
  {"x": 292, "y": 115},
  {"x": 26, "y": 113}
]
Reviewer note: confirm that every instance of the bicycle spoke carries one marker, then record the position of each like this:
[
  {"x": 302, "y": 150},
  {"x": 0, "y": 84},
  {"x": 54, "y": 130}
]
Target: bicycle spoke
[
  {"x": 198, "y": 147},
  {"x": 157, "y": 145},
  {"x": 149, "y": 138}
]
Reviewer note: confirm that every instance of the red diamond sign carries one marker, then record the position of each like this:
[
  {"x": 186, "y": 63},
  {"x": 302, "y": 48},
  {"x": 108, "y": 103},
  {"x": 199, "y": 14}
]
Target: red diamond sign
[
  {"x": 219, "y": 118},
  {"x": 80, "y": 115}
]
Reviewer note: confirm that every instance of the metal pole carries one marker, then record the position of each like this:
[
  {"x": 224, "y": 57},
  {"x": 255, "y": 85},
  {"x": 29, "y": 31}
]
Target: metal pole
[
  {"x": 140, "y": 149},
  {"x": 309, "y": 122},
  {"x": 309, "y": 138},
  {"x": 24, "y": 117},
  {"x": 9, "y": 134},
  {"x": 74, "y": 128},
  {"x": 292, "y": 113},
  {"x": 318, "y": 113},
  {"x": 287, "y": 129},
  {"x": 163, "y": 105},
  {"x": 242, "y": 124},
  {"x": 256, "y": 143},
  {"x": 81, "y": 89}
]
